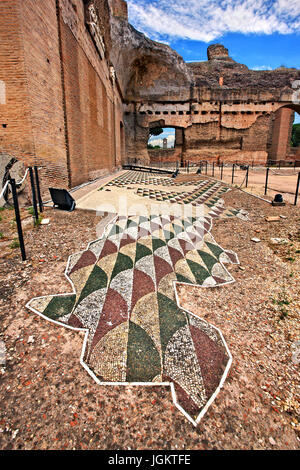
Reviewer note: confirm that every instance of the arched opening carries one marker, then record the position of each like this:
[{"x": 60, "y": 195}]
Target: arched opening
[
  {"x": 164, "y": 143},
  {"x": 161, "y": 138},
  {"x": 284, "y": 144}
]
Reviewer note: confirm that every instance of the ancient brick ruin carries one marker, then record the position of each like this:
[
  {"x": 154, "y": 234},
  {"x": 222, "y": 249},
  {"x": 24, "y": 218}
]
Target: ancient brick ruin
[{"x": 80, "y": 88}]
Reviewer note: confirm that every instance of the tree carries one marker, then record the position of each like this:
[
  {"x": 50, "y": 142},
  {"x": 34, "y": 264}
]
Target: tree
[
  {"x": 295, "y": 135},
  {"x": 156, "y": 131}
]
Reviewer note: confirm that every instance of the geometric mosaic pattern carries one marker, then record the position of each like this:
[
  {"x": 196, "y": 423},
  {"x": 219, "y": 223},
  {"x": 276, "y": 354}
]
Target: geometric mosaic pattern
[
  {"x": 125, "y": 299},
  {"x": 208, "y": 193},
  {"x": 205, "y": 192},
  {"x": 136, "y": 177}
]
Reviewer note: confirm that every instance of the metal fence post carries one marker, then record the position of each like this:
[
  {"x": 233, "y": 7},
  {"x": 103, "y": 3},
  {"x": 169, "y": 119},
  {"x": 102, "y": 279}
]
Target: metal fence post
[
  {"x": 36, "y": 213},
  {"x": 232, "y": 177},
  {"x": 267, "y": 177},
  {"x": 222, "y": 170},
  {"x": 38, "y": 189},
  {"x": 213, "y": 169},
  {"x": 247, "y": 176},
  {"x": 297, "y": 189},
  {"x": 18, "y": 218}
]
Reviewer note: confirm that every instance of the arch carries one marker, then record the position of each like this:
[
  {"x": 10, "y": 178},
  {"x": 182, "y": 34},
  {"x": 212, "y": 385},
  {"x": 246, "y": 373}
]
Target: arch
[
  {"x": 173, "y": 151},
  {"x": 280, "y": 148}
]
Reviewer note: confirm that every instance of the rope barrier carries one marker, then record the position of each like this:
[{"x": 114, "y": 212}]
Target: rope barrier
[
  {"x": 243, "y": 181},
  {"x": 18, "y": 185},
  {"x": 23, "y": 179},
  {"x": 4, "y": 189}
]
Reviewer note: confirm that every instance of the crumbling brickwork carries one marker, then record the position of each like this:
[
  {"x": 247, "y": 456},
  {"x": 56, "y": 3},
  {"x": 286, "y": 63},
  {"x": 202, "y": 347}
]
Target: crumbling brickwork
[
  {"x": 80, "y": 88},
  {"x": 63, "y": 109},
  {"x": 15, "y": 117},
  {"x": 225, "y": 110}
]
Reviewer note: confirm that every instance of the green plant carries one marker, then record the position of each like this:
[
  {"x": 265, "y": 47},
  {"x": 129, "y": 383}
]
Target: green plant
[
  {"x": 282, "y": 301},
  {"x": 31, "y": 212},
  {"x": 283, "y": 313},
  {"x": 14, "y": 244},
  {"x": 38, "y": 221},
  {"x": 295, "y": 138},
  {"x": 1, "y": 235}
]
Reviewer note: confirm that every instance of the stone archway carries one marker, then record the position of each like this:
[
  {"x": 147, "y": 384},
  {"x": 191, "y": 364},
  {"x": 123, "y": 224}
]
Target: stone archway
[
  {"x": 280, "y": 148},
  {"x": 137, "y": 136},
  {"x": 171, "y": 154}
]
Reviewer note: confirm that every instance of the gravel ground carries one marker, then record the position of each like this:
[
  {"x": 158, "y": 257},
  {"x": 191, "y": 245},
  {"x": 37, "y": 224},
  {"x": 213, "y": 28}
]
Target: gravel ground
[{"x": 48, "y": 401}]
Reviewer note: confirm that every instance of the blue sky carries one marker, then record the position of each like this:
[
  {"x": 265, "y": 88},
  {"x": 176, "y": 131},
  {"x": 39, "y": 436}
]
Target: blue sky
[
  {"x": 169, "y": 133},
  {"x": 262, "y": 34}
]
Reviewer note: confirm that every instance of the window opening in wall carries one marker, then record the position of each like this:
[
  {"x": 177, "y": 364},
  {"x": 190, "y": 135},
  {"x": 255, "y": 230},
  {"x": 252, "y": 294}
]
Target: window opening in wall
[{"x": 161, "y": 138}]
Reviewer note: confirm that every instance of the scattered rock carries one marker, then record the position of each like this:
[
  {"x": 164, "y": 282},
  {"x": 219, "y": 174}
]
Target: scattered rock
[
  {"x": 279, "y": 241},
  {"x": 256, "y": 240},
  {"x": 272, "y": 218},
  {"x": 45, "y": 221}
]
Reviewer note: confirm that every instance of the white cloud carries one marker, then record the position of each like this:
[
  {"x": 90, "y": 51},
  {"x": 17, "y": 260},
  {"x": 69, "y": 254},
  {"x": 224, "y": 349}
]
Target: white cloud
[
  {"x": 261, "y": 67},
  {"x": 206, "y": 20},
  {"x": 159, "y": 140}
]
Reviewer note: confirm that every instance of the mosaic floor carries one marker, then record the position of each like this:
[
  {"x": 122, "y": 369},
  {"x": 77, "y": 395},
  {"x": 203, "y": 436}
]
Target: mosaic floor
[
  {"x": 124, "y": 297},
  {"x": 203, "y": 192},
  {"x": 136, "y": 177}
]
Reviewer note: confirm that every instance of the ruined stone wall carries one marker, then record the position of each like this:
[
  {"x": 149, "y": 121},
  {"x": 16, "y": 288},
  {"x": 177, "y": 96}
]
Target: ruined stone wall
[
  {"x": 63, "y": 109},
  {"x": 282, "y": 126},
  {"x": 211, "y": 129},
  {"x": 223, "y": 108},
  {"x": 16, "y": 137},
  {"x": 92, "y": 104},
  {"x": 40, "y": 42},
  {"x": 165, "y": 155}
]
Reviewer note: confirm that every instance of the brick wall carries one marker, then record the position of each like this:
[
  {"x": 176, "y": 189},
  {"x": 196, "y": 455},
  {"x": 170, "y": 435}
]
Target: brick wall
[
  {"x": 165, "y": 155},
  {"x": 16, "y": 136},
  {"x": 59, "y": 106},
  {"x": 89, "y": 114},
  {"x": 281, "y": 134},
  {"x": 42, "y": 61}
]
